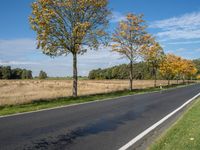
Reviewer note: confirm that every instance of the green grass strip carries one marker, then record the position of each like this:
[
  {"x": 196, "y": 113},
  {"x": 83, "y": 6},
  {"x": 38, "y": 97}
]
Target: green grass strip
[
  {"x": 51, "y": 103},
  {"x": 184, "y": 135}
]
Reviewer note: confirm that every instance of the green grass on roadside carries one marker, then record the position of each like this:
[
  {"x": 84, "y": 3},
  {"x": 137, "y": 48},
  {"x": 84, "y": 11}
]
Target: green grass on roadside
[
  {"x": 184, "y": 135},
  {"x": 43, "y": 104}
]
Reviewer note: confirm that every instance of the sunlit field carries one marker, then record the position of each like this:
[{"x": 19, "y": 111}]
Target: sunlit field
[{"x": 24, "y": 91}]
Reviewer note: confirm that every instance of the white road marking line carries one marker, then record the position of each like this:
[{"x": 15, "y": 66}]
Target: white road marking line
[{"x": 144, "y": 133}]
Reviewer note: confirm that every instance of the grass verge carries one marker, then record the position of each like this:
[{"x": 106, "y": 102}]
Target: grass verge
[
  {"x": 183, "y": 135},
  {"x": 51, "y": 103}
]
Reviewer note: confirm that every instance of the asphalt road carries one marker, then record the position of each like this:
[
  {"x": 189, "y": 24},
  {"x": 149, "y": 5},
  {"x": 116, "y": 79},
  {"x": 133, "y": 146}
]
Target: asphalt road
[{"x": 105, "y": 125}]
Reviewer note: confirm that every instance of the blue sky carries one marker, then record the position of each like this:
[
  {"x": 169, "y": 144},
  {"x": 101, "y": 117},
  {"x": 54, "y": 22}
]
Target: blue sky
[{"x": 175, "y": 24}]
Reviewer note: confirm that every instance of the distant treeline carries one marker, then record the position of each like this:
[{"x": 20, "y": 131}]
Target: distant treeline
[
  {"x": 7, "y": 73},
  {"x": 141, "y": 72}
]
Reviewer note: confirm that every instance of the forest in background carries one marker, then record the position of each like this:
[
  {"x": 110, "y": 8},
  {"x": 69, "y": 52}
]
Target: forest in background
[{"x": 141, "y": 72}]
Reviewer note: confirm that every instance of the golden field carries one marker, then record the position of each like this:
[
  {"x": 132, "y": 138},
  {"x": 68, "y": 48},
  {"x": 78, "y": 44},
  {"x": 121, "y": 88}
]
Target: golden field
[{"x": 24, "y": 91}]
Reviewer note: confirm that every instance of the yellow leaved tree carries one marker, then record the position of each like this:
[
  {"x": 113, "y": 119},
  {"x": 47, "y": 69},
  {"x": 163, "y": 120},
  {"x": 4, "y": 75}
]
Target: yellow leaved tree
[
  {"x": 153, "y": 54},
  {"x": 188, "y": 69},
  {"x": 69, "y": 27},
  {"x": 168, "y": 67},
  {"x": 128, "y": 39},
  {"x": 198, "y": 77},
  {"x": 176, "y": 67}
]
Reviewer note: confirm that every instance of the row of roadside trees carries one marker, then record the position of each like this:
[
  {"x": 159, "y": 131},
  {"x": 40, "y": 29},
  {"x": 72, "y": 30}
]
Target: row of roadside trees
[
  {"x": 175, "y": 67},
  {"x": 132, "y": 41},
  {"x": 74, "y": 26}
]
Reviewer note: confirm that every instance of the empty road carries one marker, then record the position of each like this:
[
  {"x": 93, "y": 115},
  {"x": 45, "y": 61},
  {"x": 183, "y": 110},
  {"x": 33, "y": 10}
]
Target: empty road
[{"x": 105, "y": 125}]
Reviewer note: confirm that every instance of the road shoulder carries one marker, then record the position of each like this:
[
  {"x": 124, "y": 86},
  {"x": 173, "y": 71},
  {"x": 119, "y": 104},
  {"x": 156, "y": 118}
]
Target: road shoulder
[{"x": 160, "y": 132}]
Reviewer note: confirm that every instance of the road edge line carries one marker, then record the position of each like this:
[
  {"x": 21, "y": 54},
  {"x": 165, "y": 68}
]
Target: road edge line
[{"x": 148, "y": 130}]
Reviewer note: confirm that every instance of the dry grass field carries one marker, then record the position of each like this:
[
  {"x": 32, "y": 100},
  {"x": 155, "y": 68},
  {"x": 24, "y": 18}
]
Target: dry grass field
[{"x": 24, "y": 91}]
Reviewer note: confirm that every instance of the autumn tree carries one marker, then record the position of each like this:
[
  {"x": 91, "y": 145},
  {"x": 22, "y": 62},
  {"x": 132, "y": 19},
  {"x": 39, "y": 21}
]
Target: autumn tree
[
  {"x": 197, "y": 64},
  {"x": 168, "y": 67},
  {"x": 192, "y": 70},
  {"x": 69, "y": 27},
  {"x": 128, "y": 39},
  {"x": 175, "y": 63},
  {"x": 198, "y": 77},
  {"x": 153, "y": 54},
  {"x": 176, "y": 67},
  {"x": 188, "y": 69}
]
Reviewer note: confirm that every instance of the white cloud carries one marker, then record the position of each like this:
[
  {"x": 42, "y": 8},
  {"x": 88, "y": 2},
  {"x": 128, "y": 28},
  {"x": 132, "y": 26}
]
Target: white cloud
[
  {"x": 17, "y": 48},
  {"x": 180, "y": 34},
  {"x": 17, "y": 63},
  {"x": 187, "y": 53},
  {"x": 17, "y": 45},
  {"x": 189, "y": 21},
  {"x": 184, "y": 42},
  {"x": 22, "y": 53},
  {"x": 183, "y": 27}
]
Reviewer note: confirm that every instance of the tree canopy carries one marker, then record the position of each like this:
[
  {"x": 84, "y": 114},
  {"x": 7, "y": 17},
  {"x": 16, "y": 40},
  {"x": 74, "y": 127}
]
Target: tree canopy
[
  {"x": 153, "y": 55},
  {"x": 175, "y": 67},
  {"x": 42, "y": 75}
]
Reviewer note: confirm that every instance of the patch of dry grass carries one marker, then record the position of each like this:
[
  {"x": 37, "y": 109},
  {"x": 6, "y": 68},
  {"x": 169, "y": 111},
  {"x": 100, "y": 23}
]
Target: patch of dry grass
[{"x": 24, "y": 91}]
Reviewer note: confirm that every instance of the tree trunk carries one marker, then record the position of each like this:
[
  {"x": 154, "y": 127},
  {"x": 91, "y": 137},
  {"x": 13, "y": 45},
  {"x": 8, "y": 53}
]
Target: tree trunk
[
  {"x": 191, "y": 80},
  {"x": 177, "y": 79},
  {"x": 168, "y": 82},
  {"x": 155, "y": 78},
  {"x": 75, "y": 78},
  {"x": 183, "y": 79},
  {"x": 131, "y": 76}
]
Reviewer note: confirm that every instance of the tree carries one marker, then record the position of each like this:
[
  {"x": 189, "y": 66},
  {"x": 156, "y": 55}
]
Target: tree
[
  {"x": 153, "y": 54},
  {"x": 69, "y": 27},
  {"x": 197, "y": 64},
  {"x": 17, "y": 73},
  {"x": 6, "y": 72},
  {"x": 92, "y": 74},
  {"x": 188, "y": 69},
  {"x": 122, "y": 72},
  {"x": 175, "y": 66},
  {"x": 128, "y": 39},
  {"x": 168, "y": 67},
  {"x": 0, "y": 72},
  {"x": 26, "y": 74},
  {"x": 29, "y": 74},
  {"x": 198, "y": 77},
  {"x": 42, "y": 75}
]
